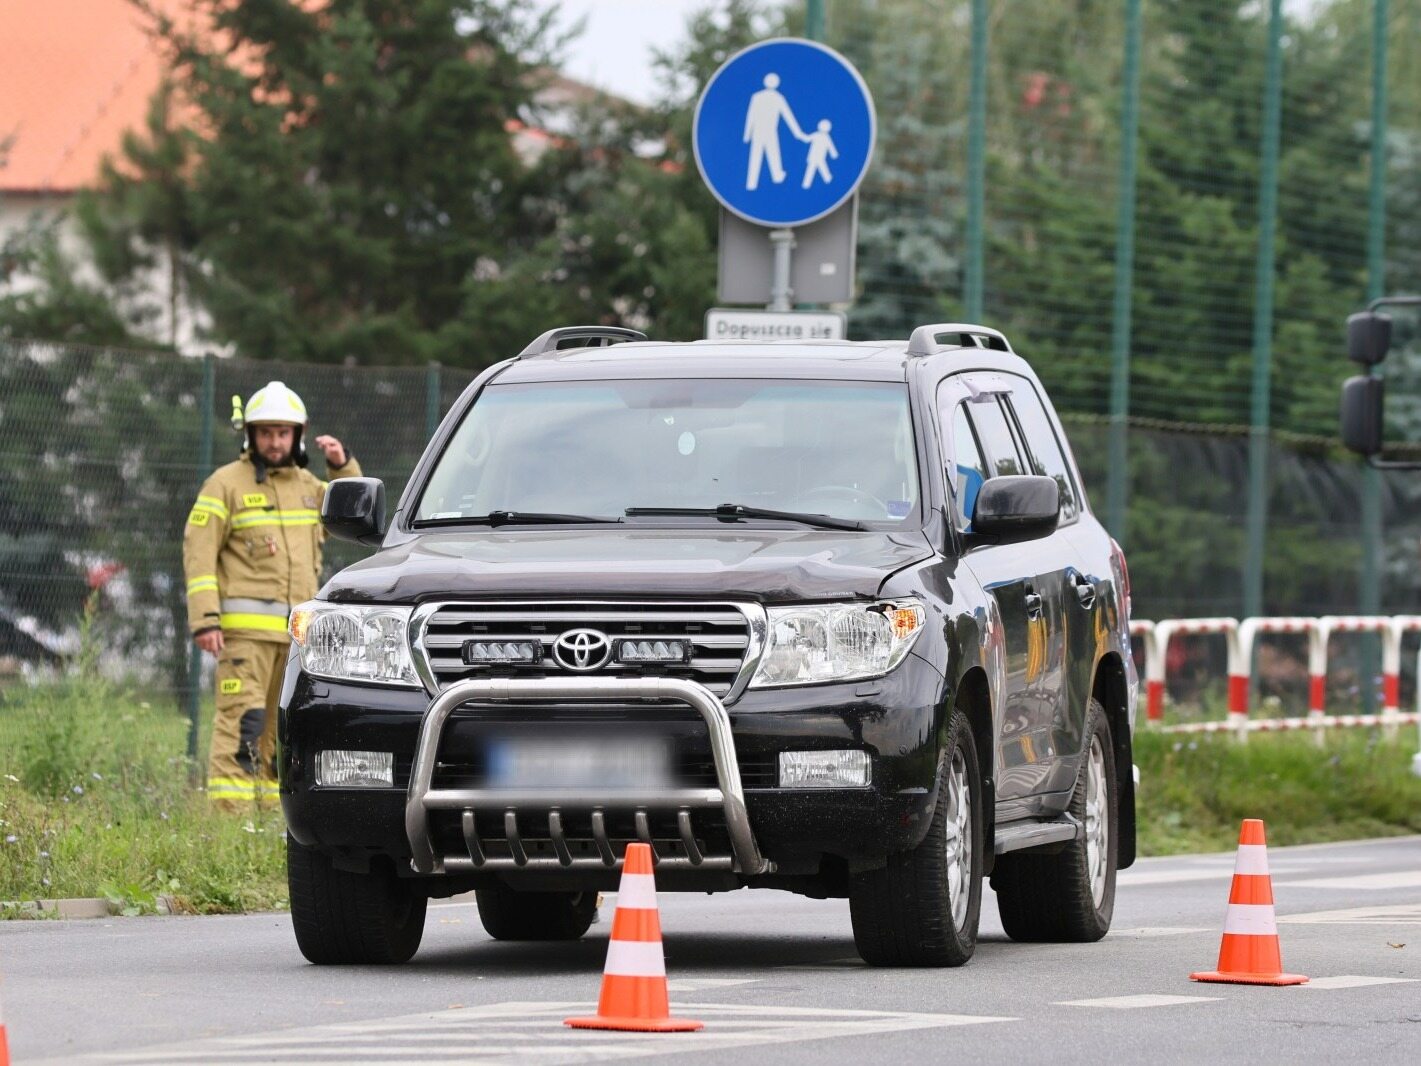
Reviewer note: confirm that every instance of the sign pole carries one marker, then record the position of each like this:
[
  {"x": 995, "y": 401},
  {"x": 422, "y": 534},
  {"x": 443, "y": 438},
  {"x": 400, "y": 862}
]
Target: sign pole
[{"x": 781, "y": 291}]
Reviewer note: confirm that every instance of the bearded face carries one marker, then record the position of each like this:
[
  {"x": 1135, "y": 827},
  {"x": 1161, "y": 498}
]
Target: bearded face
[{"x": 274, "y": 441}]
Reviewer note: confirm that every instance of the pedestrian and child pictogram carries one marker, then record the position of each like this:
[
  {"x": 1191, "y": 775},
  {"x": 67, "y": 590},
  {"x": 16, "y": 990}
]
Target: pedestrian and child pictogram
[{"x": 784, "y": 132}]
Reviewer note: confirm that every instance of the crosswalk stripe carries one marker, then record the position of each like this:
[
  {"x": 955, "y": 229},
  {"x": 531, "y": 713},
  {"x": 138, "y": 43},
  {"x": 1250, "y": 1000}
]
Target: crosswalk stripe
[
  {"x": 506, "y": 1032},
  {"x": 1355, "y": 981},
  {"x": 1137, "y": 1001}
]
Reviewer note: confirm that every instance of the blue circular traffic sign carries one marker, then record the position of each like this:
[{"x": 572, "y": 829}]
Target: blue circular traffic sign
[{"x": 784, "y": 132}]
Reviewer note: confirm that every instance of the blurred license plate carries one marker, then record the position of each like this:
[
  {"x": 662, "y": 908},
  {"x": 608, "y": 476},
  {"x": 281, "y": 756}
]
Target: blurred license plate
[{"x": 633, "y": 763}]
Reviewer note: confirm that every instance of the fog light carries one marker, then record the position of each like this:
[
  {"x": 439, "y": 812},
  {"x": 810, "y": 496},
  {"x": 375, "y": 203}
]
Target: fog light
[
  {"x": 653, "y": 651},
  {"x": 356, "y": 769},
  {"x": 823, "y": 769}
]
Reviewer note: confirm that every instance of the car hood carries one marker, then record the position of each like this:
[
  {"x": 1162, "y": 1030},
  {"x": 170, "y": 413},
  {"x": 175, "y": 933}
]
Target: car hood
[{"x": 765, "y": 565}]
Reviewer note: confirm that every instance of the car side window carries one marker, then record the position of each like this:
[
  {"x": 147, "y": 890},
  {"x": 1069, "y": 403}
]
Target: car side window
[
  {"x": 1046, "y": 454},
  {"x": 969, "y": 468},
  {"x": 994, "y": 434}
]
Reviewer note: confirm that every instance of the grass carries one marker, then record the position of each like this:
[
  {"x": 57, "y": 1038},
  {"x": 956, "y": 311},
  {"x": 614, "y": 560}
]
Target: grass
[
  {"x": 95, "y": 801},
  {"x": 1195, "y": 791}
]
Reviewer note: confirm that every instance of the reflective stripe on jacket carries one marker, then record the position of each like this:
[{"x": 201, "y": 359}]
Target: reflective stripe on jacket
[{"x": 252, "y": 551}]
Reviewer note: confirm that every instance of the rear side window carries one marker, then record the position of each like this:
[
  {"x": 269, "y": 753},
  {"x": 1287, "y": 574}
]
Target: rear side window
[
  {"x": 994, "y": 434},
  {"x": 1047, "y": 456}
]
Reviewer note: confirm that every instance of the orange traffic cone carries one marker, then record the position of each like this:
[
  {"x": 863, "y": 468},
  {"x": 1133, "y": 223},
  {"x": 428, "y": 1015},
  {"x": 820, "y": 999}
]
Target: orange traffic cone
[
  {"x": 634, "y": 994},
  {"x": 1250, "y": 953},
  {"x": 4, "y": 1044}
]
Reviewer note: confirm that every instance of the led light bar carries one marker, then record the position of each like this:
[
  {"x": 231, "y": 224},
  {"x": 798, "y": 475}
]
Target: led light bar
[
  {"x": 502, "y": 652},
  {"x": 824, "y": 769},
  {"x": 653, "y": 651},
  {"x": 355, "y": 769}
]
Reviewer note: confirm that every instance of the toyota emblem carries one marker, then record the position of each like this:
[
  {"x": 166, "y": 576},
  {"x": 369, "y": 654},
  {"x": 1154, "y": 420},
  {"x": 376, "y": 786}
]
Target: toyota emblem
[{"x": 582, "y": 650}]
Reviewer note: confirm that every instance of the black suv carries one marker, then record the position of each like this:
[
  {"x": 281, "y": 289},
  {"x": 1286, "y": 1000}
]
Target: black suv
[{"x": 829, "y": 617}]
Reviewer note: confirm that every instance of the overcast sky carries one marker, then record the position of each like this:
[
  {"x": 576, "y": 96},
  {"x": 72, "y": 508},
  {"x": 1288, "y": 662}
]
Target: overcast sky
[{"x": 614, "y": 52}]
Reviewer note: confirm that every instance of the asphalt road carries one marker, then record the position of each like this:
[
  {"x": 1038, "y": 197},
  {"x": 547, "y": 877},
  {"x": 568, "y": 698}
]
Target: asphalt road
[{"x": 762, "y": 970}]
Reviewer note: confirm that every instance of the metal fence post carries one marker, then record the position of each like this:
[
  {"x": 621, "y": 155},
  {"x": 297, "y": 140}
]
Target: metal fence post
[
  {"x": 1117, "y": 484},
  {"x": 814, "y": 20},
  {"x": 1263, "y": 318},
  {"x": 972, "y": 287},
  {"x": 205, "y": 453},
  {"x": 432, "y": 400},
  {"x": 1370, "y": 599}
]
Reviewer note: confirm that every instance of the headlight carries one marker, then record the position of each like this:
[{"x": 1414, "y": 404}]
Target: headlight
[
  {"x": 841, "y": 642},
  {"x": 354, "y": 643}
]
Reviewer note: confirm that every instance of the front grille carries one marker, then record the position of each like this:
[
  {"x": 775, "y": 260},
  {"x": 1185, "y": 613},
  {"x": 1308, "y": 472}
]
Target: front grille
[{"x": 719, "y": 635}]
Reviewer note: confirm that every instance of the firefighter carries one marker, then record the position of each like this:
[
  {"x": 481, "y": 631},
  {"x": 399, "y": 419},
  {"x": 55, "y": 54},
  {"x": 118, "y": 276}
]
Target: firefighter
[{"x": 252, "y": 550}]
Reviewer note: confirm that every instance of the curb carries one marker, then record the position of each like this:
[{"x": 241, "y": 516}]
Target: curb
[{"x": 77, "y": 908}]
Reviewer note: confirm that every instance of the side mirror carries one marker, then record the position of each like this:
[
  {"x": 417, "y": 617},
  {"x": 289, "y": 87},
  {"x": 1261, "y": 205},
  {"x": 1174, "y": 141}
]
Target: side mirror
[
  {"x": 1016, "y": 507},
  {"x": 1368, "y": 337},
  {"x": 354, "y": 510},
  {"x": 1362, "y": 414}
]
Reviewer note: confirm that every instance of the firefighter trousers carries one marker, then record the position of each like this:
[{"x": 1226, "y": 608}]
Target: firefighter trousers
[{"x": 241, "y": 766}]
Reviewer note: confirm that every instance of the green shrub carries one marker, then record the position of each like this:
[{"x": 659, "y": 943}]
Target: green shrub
[{"x": 1196, "y": 790}]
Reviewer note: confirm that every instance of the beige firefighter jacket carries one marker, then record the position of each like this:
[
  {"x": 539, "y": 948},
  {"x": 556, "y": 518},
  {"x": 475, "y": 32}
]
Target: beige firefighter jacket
[{"x": 252, "y": 551}]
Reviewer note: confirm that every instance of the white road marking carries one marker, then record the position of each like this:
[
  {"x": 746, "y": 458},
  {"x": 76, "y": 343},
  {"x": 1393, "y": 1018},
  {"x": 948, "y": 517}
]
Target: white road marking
[
  {"x": 1354, "y": 981},
  {"x": 1396, "y": 879},
  {"x": 1396, "y": 914},
  {"x": 511, "y": 1032},
  {"x": 1135, "y": 1002},
  {"x": 1130, "y": 878},
  {"x": 1146, "y": 931}
]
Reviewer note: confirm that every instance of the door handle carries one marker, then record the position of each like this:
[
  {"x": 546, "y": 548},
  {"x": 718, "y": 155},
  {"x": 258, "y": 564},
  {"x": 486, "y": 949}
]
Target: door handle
[
  {"x": 1033, "y": 605},
  {"x": 1085, "y": 590}
]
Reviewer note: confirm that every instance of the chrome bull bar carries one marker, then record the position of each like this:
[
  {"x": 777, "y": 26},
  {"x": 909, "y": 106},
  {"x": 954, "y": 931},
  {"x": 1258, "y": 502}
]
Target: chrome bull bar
[{"x": 729, "y": 796}]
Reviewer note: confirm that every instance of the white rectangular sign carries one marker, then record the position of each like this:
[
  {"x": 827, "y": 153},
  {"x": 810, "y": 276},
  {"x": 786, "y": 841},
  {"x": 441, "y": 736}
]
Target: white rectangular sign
[{"x": 729, "y": 324}]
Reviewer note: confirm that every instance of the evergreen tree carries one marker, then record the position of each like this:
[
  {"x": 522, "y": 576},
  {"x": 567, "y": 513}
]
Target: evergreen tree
[{"x": 356, "y": 170}]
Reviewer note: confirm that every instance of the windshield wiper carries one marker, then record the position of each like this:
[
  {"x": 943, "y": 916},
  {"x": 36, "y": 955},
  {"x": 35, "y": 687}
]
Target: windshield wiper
[
  {"x": 730, "y": 511},
  {"x": 505, "y": 518}
]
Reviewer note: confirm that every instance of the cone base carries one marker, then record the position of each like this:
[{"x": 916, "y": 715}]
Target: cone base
[
  {"x": 636, "y": 1025},
  {"x": 1217, "y": 977}
]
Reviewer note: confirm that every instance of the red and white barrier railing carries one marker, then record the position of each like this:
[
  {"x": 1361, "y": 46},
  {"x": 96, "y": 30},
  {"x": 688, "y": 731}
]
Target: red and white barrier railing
[
  {"x": 1241, "y": 640},
  {"x": 1156, "y": 637}
]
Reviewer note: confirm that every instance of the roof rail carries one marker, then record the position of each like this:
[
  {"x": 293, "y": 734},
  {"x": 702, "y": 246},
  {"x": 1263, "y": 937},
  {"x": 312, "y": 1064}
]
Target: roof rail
[
  {"x": 601, "y": 336},
  {"x": 924, "y": 338}
]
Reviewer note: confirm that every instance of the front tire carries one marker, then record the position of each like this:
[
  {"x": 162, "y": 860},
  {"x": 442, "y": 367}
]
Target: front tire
[
  {"x": 345, "y": 917},
  {"x": 922, "y": 907},
  {"x": 1069, "y": 897},
  {"x": 509, "y": 915}
]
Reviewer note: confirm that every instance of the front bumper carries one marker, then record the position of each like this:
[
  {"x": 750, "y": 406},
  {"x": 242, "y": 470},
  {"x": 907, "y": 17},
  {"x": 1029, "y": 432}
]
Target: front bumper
[{"x": 729, "y": 816}]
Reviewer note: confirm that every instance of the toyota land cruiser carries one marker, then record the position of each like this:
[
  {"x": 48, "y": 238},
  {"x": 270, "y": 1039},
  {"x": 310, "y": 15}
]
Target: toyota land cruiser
[{"x": 830, "y": 617}]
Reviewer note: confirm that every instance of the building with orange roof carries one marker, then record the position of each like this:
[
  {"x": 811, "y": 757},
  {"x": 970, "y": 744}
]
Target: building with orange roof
[{"x": 75, "y": 76}]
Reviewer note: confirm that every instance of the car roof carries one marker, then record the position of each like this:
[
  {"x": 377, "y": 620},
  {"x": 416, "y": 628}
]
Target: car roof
[{"x": 883, "y": 360}]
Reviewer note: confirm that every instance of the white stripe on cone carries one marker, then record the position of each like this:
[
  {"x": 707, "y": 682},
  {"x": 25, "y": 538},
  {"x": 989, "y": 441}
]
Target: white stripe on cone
[
  {"x": 635, "y": 958},
  {"x": 1252, "y": 859},
  {"x": 637, "y": 892},
  {"x": 1251, "y": 919}
]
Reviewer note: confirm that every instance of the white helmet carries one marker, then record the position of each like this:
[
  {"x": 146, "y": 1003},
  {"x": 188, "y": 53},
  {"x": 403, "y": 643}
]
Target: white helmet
[{"x": 274, "y": 402}]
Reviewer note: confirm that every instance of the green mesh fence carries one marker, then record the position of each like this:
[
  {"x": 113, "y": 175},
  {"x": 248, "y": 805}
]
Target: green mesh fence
[{"x": 101, "y": 454}]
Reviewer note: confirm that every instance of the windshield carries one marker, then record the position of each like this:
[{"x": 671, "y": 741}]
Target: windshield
[{"x": 597, "y": 448}]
